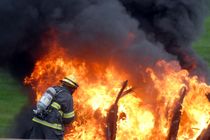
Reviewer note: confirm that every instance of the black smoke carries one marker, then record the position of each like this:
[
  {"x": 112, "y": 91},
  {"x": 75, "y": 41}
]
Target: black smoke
[
  {"x": 176, "y": 24},
  {"x": 163, "y": 29}
]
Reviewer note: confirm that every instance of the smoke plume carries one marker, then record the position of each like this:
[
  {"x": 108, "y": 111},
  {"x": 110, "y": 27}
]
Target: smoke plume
[{"x": 138, "y": 32}]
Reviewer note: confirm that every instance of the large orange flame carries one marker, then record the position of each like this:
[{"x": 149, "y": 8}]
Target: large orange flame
[{"x": 141, "y": 121}]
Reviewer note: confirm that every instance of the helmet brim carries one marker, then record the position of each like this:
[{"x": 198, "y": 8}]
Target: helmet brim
[{"x": 69, "y": 83}]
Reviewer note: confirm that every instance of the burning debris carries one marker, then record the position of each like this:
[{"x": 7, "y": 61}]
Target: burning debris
[
  {"x": 181, "y": 111},
  {"x": 208, "y": 96},
  {"x": 111, "y": 128},
  {"x": 205, "y": 134},
  {"x": 174, "y": 127},
  {"x": 102, "y": 43}
]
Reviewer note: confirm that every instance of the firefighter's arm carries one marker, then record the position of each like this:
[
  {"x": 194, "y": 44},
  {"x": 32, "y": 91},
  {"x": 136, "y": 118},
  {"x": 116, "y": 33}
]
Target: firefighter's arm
[{"x": 68, "y": 113}]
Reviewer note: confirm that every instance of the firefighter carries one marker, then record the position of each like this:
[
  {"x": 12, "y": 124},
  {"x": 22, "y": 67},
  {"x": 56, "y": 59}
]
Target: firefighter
[{"x": 53, "y": 111}]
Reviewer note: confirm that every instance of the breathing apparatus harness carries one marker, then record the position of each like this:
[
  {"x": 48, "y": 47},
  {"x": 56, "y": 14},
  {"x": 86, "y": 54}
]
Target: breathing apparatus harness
[{"x": 42, "y": 106}]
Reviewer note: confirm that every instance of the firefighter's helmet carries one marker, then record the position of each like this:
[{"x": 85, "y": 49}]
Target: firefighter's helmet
[{"x": 69, "y": 82}]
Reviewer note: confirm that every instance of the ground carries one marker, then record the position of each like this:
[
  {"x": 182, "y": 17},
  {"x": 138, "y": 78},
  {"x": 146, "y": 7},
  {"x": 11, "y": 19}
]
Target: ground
[
  {"x": 11, "y": 101},
  {"x": 12, "y": 98}
]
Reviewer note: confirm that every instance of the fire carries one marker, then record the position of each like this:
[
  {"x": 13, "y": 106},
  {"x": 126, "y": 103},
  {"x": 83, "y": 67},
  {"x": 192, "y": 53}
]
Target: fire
[
  {"x": 136, "y": 119},
  {"x": 195, "y": 113}
]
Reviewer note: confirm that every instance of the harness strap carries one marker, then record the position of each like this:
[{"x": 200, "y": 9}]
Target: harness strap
[{"x": 57, "y": 107}]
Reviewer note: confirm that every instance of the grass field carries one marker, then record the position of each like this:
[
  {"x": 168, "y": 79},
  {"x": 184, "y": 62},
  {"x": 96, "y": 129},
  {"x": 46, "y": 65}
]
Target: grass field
[
  {"x": 11, "y": 99},
  {"x": 202, "y": 46}
]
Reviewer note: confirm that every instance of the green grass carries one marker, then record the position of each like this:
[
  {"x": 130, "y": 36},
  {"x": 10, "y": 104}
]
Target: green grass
[
  {"x": 11, "y": 101},
  {"x": 202, "y": 46}
]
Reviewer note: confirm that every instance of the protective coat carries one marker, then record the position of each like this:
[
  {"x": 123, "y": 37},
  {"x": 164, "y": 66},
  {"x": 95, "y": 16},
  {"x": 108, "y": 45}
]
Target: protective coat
[{"x": 59, "y": 113}]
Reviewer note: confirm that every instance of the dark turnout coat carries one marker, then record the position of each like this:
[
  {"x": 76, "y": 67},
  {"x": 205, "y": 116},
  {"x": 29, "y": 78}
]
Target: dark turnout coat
[{"x": 59, "y": 113}]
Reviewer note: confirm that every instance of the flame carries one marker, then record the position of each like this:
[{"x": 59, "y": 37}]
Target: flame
[
  {"x": 195, "y": 112},
  {"x": 98, "y": 90}
]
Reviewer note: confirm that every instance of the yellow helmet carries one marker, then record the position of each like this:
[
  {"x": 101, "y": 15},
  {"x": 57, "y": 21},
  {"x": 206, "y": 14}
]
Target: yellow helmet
[{"x": 67, "y": 81}]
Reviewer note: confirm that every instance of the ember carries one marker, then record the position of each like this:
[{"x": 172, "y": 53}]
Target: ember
[{"x": 141, "y": 120}]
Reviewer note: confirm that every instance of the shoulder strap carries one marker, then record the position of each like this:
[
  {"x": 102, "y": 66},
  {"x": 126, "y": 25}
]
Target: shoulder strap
[{"x": 58, "y": 89}]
